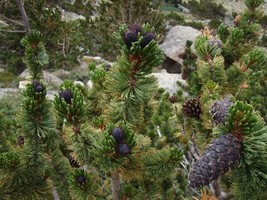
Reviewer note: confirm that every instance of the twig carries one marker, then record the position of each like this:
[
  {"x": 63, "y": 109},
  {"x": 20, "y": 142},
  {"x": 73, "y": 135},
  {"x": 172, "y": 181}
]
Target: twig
[
  {"x": 11, "y": 20},
  {"x": 193, "y": 150},
  {"x": 216, "y": 186},
  {"x": 15, "y": 31},
  {"x": 23, "y": 14},
  {"x": 219, "y": 194},
  {"x": 115, "y": 183}
]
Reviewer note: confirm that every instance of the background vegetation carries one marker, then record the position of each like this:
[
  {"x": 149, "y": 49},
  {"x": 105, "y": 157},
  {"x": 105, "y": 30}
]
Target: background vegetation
[{"x": 124, "y": 138}]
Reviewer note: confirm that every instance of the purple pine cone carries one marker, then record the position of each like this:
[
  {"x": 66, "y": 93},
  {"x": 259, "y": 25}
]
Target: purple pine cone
[
  {"x": 123, "y": 149},
  {"x": 147, "y": 38},
  {"x": 117, "y": 133},
  {"x": 66, "y": 95}
]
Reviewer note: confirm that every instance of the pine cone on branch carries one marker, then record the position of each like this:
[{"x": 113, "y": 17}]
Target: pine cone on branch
[
  {"x": 220, "y": 110},
  {"x": 222, "y": 154},
  {"x": 191, "y": 108},
  {"x": 73, "y": 162}
]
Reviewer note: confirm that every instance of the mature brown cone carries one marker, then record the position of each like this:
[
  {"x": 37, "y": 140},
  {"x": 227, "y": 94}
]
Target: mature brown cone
[
  {"x": 74, "y": 163},
  {"x": 222, "y": 154},
  {"x": 191, "y": 108}
]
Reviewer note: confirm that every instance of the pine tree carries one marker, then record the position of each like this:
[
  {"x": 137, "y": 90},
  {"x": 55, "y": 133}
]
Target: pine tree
[
  {"x": 125, "y": 138},
  {"x": 111, "y": 145},
  {"x": 28, "y": 168}
]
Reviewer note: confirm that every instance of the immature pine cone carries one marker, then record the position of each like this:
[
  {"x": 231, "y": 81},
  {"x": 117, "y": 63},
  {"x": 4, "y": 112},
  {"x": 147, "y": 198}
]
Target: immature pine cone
[
  {"x": 123, "y": 149},
  {"x": 66, "y": 95},
  {"x": 37, "y": 86},
  {"x": 147, "y": 38},
  {"x": 135, "y": 28},
  {"x": 129, "y": 38},
  {"x": 81, "y": 180},
  {"x": 117, "y": 133}
]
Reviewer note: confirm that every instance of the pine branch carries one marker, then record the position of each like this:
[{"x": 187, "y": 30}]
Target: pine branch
[{"x": 161, "y": 162}]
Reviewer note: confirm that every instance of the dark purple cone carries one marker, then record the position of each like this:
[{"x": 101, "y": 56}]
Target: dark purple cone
[
  {"x": 81, "y": 180},
  {"x": 117, "y": 133},
  {"x": 136, "y": 28},
  {"x": 222, "y": 154},
  {"x": 66, "y": 95},
  {"x": 129, "y": 38},
  {"x": 37, "y": 87},
  {"x": 107, "y": 67},
  {"x": 219, "y": 111},
  {"x": 123, "y": 149},
  {"x": 147, "y": 38}
]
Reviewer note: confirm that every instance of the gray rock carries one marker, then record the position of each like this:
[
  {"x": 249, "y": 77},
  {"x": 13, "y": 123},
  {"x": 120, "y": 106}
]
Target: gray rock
[
  {"x": 16, "y": 91},
  {"x": 23, "y": 84},
  {"x": 61, "y": 73},
  {"x": 70, "y": 16},
  {"x": 79, "y": 83},
  {"x": 8, "y": 91},
  {"x": 49, "y": 78},
  {"x": 168, "y": 81},
  {"x": 51, "y": 94},
  {"x": 174, "y": 42}
]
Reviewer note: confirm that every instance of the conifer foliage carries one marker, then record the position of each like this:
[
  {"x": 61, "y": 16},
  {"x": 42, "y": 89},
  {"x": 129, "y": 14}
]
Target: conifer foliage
[
  {"x": 229, "y": 137},
  {"x": 125, "y": 138},
  {"x": 69, "y": 149}
]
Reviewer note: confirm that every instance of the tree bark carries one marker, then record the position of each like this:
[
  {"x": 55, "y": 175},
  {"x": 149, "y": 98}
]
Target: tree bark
[
  {"x": 219, "y": 194},
  {"x": 115, "y": 182},
  {"x": 23, "y": 14},
  {"x": 217, "y": 189}
]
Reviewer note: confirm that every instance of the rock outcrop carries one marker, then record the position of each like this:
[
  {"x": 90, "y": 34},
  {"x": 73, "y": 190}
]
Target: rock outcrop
[
  {"x": 49, "y": 78},
  {"x": 174, "y": 44}
]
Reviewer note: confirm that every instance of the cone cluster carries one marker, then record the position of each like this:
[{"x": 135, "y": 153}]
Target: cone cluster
[
  {"x": 38, "y": 87},
  {"x": 131, "y": 36},
  {"x": 122, "y": 149}
]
